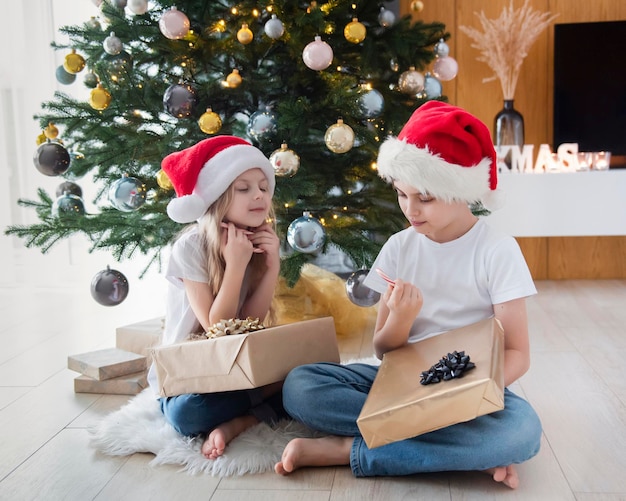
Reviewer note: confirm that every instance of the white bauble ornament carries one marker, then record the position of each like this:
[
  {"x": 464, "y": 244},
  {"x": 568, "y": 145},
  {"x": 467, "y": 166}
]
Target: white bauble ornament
[
  {"x": 274, "y": 28},
  {"x": 138, "y": 7},
  {"x": 112, "y": 45},
  {"x": 386, "y": 18}
]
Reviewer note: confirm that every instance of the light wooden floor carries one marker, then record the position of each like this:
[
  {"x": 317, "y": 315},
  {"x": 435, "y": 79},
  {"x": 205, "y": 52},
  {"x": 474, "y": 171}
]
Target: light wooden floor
[{"x": 576, "y": 383}]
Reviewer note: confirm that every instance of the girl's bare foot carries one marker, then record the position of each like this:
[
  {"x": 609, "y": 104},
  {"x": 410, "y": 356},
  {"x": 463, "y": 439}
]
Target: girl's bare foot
[
  {"x": 325, "y": 451},
  {"x": 505, "y": 474},
  {"x": 215, "y": 443}
]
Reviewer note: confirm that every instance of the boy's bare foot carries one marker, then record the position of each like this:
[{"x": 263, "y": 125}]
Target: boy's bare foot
[
  {"x": 505, "y": 474},
  {"x": 215, "y": 443},
  {"x": 325, "y": 451}
]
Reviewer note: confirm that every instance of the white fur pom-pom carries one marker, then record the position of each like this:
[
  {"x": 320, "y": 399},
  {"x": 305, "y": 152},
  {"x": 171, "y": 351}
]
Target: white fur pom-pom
[
  {"x": 494, "y": 200},
  {"x": 186, "y": 209}
]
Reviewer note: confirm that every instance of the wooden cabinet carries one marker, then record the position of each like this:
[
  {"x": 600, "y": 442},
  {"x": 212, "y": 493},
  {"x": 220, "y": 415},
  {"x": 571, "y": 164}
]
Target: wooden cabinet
[{"x": 553, "y": 257}]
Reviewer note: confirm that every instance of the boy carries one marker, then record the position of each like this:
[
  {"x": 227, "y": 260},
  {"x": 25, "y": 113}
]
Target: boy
[{"x": 450, "y": 270}]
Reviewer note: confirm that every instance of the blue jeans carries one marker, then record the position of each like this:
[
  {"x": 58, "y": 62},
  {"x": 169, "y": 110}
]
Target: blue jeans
[
  {"x": 194, "y": 414},
  {"x": 329, "y": 397}
]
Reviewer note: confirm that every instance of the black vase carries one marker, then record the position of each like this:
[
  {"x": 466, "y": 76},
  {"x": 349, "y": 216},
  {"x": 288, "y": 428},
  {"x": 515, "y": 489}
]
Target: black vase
[{"x": 509, "y": 126}]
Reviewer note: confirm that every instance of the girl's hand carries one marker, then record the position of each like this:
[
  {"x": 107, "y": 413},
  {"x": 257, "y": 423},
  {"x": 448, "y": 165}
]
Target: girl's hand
[
  {"x": 403, "y": 299},
  {"x": 265, "y": 240},
  {"x": 235, "y": 245}
]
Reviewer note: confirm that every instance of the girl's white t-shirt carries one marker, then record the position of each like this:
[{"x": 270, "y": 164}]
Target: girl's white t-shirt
[
  {"x": 188, "y": 260},
  {"x": 460, "y": 280}
]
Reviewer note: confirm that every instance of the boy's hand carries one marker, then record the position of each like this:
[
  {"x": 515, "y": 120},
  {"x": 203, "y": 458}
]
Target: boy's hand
[{"x": 403, "y": 299}]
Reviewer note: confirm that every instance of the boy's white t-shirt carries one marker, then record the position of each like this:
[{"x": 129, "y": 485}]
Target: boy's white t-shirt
[{"x": 460, "y": 280}]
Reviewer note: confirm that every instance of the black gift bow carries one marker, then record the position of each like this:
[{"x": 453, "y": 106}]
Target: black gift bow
[{"x": 453, "y": 365}]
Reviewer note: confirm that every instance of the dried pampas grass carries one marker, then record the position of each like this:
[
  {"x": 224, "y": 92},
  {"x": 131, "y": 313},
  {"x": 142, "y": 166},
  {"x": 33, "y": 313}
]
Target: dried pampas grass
[{"x": 505, "y": 41}]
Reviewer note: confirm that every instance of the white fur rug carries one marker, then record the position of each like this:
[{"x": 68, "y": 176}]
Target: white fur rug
[{"x": 139, "y": 426}]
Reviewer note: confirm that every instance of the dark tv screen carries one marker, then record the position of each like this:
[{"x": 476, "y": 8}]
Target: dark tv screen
[{"x": 590, "y": 87}]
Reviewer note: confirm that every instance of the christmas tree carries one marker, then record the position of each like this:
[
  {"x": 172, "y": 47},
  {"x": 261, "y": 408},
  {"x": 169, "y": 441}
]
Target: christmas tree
[{"x": 316, "y": 86}]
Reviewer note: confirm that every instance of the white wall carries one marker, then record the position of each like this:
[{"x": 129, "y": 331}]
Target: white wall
[{"x": 27, "y": 78}]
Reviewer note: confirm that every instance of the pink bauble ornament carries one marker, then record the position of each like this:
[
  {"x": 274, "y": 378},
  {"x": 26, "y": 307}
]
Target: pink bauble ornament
[
  {"x": 317, "y": 55},
  {"x": 445, "y": 68},
  {"x": 174, "y": 24}
]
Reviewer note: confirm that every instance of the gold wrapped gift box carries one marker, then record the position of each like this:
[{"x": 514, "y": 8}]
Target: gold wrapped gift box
[
  {"x": 400, "y": 407},
  {"x": 244, "y": 361}
]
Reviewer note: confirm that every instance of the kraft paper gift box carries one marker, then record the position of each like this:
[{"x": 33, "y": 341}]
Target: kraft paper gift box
[
  {"x": 107, "y": 363},
  {"x": 130, "y": 384},
  {"x": 399, "y": 406},
  {"x": 140, "y": 337},
  {"x": 243, "y": 361}
]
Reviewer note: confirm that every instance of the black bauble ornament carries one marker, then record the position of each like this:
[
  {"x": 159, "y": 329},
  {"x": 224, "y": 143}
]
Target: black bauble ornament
[
  {"x": 51, "y": 159},
  {"x": 109, "y": 287},
  {"x": 69, "y": 187},
  {"x": 180, "y": 100}
]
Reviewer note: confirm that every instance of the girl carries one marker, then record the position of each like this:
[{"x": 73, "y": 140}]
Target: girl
[
  {"x": 442, "y": 161},
  {"x": 224, "y": 266}
]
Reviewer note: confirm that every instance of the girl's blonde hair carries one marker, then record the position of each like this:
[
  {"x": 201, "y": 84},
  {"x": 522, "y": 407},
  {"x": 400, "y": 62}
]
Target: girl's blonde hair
[{"x": 210, "y": 229}]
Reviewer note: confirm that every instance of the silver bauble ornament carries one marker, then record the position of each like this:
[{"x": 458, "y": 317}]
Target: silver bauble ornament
[
  {"x": 127, "y": 194},
  {"x": 306, "y": 234},
  {"x": 358, "y": 293},
  {"x": 432, "y": 87},
  {"x": 372, "y": 103},
  {"x": 441, "y": 48},
  {"x": 68, "y": 205},
  {"x": 261, "y": 126},
  {"x": 64, "y": 77},
  {"x": 109, "y": 287}
]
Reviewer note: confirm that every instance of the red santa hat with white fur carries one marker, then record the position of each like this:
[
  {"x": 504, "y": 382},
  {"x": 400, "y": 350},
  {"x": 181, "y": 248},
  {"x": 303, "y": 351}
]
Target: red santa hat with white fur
[
  {"x": 201, "y": 173},
  {"x": 446, "y": 152}
]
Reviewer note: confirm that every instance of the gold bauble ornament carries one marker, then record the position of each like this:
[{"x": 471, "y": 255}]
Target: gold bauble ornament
[
  {"x": 210, "y": 122},
  {"x": 284, "y": 161},
  {"x": 74, "y": 63},
  {"x": 234, "y": 79},
  {"x": 51, "y": 131},
  {"x": 99, "y": 98},
  {"x": 41, "y": 138},
  {"x": 163, "y": 181},
  {"x": 355, "y": 31},
  {"x": 245, "y": 35},
  {"x": 339, "y": 137},
  {"x": 411, "y": 81},
  {"x": 417, "y": 6}
]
